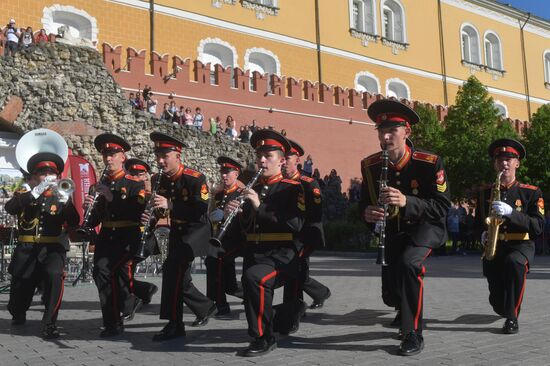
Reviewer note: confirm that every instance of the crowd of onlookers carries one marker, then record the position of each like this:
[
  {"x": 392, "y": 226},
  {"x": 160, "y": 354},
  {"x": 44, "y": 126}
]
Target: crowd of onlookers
[{"x": 14, "y": 39}]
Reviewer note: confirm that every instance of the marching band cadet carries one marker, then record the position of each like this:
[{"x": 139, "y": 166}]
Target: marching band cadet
[
  {"x": 221, "y": 278},
  {"x": 40, "y": 254},
  {"x": 312, "y": 236},
  {"x": 273, "y": 215},
  {"x": 183, "y": 196},
  {"x": 118, "y": 209},
  {"x": 143, "y": 291},
  {"x": 521, "y": 207},
  {"x": 419, "y": 199}
]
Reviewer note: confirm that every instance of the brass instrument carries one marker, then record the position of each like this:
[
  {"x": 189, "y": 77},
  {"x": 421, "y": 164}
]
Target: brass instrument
[
  {"x": 85, "y": 230},
  {"x": 217, "y": 240},
  {"x": 63, "y": 188},
  {"x": 493, "y": 222},
  {"x": 146, "y": 234}
]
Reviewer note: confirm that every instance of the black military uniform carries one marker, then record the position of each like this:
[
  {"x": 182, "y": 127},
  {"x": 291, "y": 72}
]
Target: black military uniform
[
  {"x": 143, "y": 291},
  {"x": 272, "y": 245},
  {"x": 190, "y": 231},
  {"x": 40, "y": 254},
  {"x": 118, "y": 239},
  {"x": 221, "y": 278},
  {"x": 507, "y": 272},
  {"x": 412, "y": 231},
  {"x": 312, "y": 237}
]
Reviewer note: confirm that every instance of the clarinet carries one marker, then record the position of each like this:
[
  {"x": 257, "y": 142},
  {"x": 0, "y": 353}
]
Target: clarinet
[
  {"x": 381, "y": 258},
  {"x": 147, "y": 227},
  {"x": 84, "y": 229},
  {"x": 217, "y": 240}
]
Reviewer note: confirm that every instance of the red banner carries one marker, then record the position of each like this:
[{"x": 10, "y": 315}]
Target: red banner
[{"x": 82, "y": 172}]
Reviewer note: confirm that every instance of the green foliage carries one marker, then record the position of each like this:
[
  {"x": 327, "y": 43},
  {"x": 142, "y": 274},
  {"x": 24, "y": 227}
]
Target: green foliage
[
  {"x": 348, "y": 233},
  {"x": 470, "y": 127},
  {"x": 537, "y": 140},
  {"x": 427, "y": 134}
]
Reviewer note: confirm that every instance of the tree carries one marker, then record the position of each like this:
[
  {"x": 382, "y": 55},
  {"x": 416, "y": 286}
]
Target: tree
[
  {"x": 469, "y": 128},
  {"x": 536, "y": 141},
  {"x": 428, "y": 133}
]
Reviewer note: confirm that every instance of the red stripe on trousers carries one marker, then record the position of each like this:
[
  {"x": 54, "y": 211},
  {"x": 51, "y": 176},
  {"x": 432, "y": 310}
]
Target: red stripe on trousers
[
  {"x": 262, "y": 300},
  {"x": 522, "y": 290},
  {"x": 130, "y": 277},
  {"x": 420, "y": 292},
  {"x": 58, "y": 304},
  {"x": 176, "y": 294}
]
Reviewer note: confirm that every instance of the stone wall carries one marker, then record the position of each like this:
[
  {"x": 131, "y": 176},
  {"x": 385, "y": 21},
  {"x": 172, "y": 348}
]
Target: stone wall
[{"x": 68, "y": 89}]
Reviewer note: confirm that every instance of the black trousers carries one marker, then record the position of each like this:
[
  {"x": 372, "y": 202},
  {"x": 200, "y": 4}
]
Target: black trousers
[
  {"x": 304, "y": 283},
  {"x": 140, "y": 289},
  {"x": 403, "y": 280},
  {"x": 260, "y": 279},
  {"x": 114, "y": 279},
  {"x": 221, "y": 278},
  {"x": 178, "y": 288},
  {"x": 33, "y": 264},
  {"x": 506, "y": 275}
]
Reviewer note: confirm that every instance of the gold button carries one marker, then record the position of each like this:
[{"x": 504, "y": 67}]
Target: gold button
[
  {"x": 398, "y": 182},
  {"x": 397, "y": 174}
]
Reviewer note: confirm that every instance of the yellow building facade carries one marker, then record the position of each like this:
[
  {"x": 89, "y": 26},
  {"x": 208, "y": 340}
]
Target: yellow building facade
[{"x": 415, "y": 49}]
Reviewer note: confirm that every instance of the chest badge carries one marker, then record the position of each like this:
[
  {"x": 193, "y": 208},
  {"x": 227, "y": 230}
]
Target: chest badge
[
  {"x": 414, "y": 186},
  {"x": 185, "y": 194},
  {"x": 53, "y": 209},
  {"x": 123, "y": 193},
  {"x": 204, "y": 192},
  {"x": 518, "y": 205}
]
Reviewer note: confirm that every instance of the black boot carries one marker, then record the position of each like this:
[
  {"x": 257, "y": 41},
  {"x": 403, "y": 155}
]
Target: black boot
[
  {"x": 170, "y": 331},
  {"x": 152, "y": 290},
  {"x": 203, "y": 320},
  {"x": 50, "y": 332},
  {"x": 511, "y": 326},
  {"x": 19, "y": 319},
  {"x": 318, "y": 304},
  {"x": 112, "y": 331},
  {"x": 137, "y": 305},
  {"x": 223, "y": 310},
  {"x": 396, "y": 322},
  {"x": 412, "y": 344},
  {"x": 260, "y": 346}
]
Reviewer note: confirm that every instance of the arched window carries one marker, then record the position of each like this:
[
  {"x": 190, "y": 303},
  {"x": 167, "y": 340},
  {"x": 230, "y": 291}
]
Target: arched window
[
  {"x": 502, "y": 109},
  {"x": 470, "y": 44},
  {"x": 216, "y": 52},
  {"x": 262, "y": 61},
  {"x": 393, "y": 21},
  {"x": 81, "y": 24},
  {"x": 398, "y": 89},
  {"x": 493, "y": 51},
  {"x": 362, "y": 16},
  {"x": 547, "y": 66},
  {"x": 367, "y": 82}
]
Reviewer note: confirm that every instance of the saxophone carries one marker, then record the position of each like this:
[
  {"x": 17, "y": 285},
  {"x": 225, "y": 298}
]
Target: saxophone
[{"x": 493, "y": 222}]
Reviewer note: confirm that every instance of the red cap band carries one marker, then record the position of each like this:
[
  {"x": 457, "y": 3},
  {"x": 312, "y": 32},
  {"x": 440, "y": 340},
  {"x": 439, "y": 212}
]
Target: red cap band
[
  {"x": 270, "y": 142},
  {"x": 231, "y": 166},
  {"x": 505, "y": 149},
  {"x": 112, "y": 146},
  {"x": 167, "y": 145},
  {"x": 392, "y": 117},
  {"x": 46, "y": 164},
  {"x": 138, "y": 167}
]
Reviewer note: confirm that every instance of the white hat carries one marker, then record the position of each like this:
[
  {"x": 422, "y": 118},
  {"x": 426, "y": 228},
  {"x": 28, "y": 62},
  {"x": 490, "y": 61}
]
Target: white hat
[{"x": 12, "y": 21}]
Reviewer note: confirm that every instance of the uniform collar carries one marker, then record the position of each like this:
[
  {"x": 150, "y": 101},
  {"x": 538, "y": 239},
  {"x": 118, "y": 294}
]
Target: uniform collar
[
  {"x": 296, "y": 176},
  {"x": 271, "y": 180},
  {"x": 508, "y": 186},
  {"x": 232, "y": 189},
  {"x": 404, "y": 159},
  {"x": 177, "y": 174},
  {"x": 48, "y": 193},
  {"x": 111, "y": 177}
]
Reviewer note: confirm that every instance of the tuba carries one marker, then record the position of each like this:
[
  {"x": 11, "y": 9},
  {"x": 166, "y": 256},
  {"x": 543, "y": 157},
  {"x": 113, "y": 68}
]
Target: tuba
[{"x": 493, "y": 222}]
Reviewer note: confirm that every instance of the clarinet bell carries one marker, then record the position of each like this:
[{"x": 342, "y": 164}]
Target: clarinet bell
[{"x": 215, "y": 242}]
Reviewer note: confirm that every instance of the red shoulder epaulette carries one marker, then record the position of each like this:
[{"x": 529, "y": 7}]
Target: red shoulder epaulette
[
  {"x": 290, "y": 181},
  {"x": 305, "y": 178},
  {"x": 424, "y": 156},
  {"x": 372, "y": 159},
  {"x": 131, "y": 177},
  {"x": 192, "y": 172},
  {"x": 528, "y": 186}
]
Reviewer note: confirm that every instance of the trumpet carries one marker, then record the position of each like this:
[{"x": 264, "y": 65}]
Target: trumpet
[
  {"x": 217, "y": 240},
  {"x": 63, "y": 188},
  {"x": 85, "y": 229}
]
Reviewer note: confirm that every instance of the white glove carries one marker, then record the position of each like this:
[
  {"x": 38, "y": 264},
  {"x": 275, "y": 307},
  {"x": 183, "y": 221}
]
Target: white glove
[
  {"x": 484, "y": 238},
  {"x": 39, "y": 189},
  {"x": 216, "y": 215},
  {"x": 502, "y": 208},
  {"x": 63, "y": 198}
]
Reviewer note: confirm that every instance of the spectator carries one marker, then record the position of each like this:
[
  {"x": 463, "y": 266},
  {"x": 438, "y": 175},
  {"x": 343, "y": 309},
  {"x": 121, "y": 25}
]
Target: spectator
[
  {"x": 42, "y": 36},
  {"x": 335, "y": 181},
  {"x": 11, "y": 35},
  {"x": 27, "y": 38},
  {"x": 453, "y": 226},
  {"x": 166, "y": 115},
  {"x": 283, "y": 132},
  {"x": 147, "y": 92},
  {"x": 198, "y": 119},
  {"x": 308, "y": 166},
  {"x": 253, "y": 127},
  {"x": 132, "y": 100},
  {"x": 230, "y": 128},
  {"x": 173, "y": 108},
  {"x": 151, "y": 102},
  {"x": 188, "y": 117},
  {"x": 213, "y": 126},
  {"x": 317, "y": 177},
  {"x": 244, "y": 136},
  {"x": 138, "y": 101},
  {"x": 179, "y": 116}
]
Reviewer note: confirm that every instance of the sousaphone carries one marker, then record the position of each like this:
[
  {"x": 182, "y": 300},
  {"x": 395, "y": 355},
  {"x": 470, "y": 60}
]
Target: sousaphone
[{"x": 39, "y": 141}]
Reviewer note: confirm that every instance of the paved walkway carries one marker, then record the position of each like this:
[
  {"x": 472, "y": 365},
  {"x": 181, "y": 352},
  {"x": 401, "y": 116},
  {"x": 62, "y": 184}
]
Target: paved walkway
[{"x": 352, "y": 329}]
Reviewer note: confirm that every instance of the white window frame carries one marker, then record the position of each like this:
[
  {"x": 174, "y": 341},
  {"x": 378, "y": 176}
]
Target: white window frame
[
  {"x": 501, "y": 104},
  {"x": 48, "y": 21},
  {"x": 362, "y": 16},
  {"x": 546, "y": 65},
  {"x": 383, "y": 7},
  {"x": 247, "y": 64},
  {"x": 462, "y": 33},
  {"x": 489, "y": 63},
  {"x": 398, "y": 81},
  {"x": 369, "y": 75}
]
